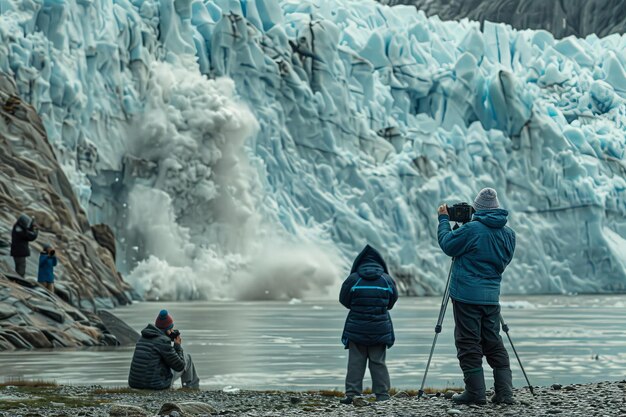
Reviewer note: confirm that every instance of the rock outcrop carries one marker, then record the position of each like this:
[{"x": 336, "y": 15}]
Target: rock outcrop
[
  {"x": 33, "y": 182},
  {"x": 563, "y": 18}
]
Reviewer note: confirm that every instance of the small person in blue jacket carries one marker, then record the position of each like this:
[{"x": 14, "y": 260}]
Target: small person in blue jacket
[
  {"x": 369, "y": 292},
  {"x": 481, "y": 249},
  {"x": 47, "y": 262}
]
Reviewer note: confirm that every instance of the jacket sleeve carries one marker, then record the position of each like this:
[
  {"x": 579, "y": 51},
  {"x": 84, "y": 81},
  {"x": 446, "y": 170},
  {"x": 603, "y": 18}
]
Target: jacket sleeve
[
  {"x": 31, "y": 234},
  {"x": 345, "y": 296},
  {"x": 513, "y": 244},
  {"x": 394, "y": 294},
  {"x": 53, "y": 260},
  {"x": 453, "y": 242},
  {"x": 173, "y": 356}
]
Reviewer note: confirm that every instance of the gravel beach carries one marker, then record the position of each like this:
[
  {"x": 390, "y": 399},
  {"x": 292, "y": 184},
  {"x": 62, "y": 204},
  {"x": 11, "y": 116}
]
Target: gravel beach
[{"x": 599, "y": 399}]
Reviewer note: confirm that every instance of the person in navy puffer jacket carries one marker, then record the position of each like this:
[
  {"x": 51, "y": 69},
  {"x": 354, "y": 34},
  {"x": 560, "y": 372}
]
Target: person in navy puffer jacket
[
  {"x": 369, "y": 292},
  {"x": 47, "y": 262},
  {"x": 481, "y": 249}
]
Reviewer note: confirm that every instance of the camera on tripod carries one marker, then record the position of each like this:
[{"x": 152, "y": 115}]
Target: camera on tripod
[{"x": 460, "y": 213}]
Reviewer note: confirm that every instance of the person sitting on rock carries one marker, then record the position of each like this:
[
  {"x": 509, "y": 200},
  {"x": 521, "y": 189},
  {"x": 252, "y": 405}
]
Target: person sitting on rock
[
  {"x": 159, "y": 359},
  {"x": 47, "y": 262},
  {"x": 369, "y": 292},
  {"x": 24, "y": 231}
]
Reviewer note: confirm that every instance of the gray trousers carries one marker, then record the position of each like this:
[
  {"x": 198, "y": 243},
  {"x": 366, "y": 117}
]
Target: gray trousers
[
  {"x": 20, "y": 265},
  {"x": 358, "y": 356},
  {"x": 477, "y": 334},
  {"x": 188, "y": 376}
]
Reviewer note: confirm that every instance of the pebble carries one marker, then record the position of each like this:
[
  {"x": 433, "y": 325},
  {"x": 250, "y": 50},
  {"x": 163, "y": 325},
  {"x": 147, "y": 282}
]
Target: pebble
[
  {"x": 589, "y": 400},
  {"x": 401, "y": 394},
  {"x": 556, "y": 387},
  {"x": 449, "y": 394},
  {"x": 360, "y": 402}
]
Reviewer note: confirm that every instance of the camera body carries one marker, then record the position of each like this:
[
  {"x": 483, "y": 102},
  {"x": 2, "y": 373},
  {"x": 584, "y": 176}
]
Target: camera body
[
  {"x": 174, "y": 335},
  {"x": 461, "y": 213}
]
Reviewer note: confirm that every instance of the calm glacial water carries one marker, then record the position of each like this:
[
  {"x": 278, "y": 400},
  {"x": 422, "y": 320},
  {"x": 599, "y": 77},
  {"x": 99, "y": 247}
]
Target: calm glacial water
[{"x": 281, "y": 345}]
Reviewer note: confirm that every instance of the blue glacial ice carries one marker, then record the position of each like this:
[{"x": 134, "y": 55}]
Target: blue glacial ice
[{"x": 248, "y": 149}]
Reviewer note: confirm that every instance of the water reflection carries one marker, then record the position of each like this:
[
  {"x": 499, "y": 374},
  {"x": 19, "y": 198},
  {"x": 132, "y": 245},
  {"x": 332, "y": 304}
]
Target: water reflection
[{"x": 274, "y": 345}]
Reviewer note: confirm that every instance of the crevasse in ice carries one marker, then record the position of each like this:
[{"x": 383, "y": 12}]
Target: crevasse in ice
[{"x": 248, "y": 149}]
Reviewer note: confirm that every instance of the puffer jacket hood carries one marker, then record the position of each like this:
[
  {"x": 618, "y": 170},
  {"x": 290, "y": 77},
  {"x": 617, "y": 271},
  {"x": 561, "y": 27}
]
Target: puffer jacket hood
[
  {"x": 151, "y": 331},
  {"x": 369, "y": 264},
  {"x": 24, "y": 221},
  {"x": 496, "y": 218}
]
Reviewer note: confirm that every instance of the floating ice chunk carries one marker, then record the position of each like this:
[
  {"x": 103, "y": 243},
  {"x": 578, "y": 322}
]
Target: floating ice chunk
[{"x": 518, "y": 304}]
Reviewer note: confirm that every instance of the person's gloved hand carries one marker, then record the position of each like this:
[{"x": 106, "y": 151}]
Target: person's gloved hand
[{"x": 443, "y": 209}]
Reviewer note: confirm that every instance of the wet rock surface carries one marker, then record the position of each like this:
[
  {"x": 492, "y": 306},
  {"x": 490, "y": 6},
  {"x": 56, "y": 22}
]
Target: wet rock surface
[
  {"x": 600, "y": 399},
  {"x": 32, "y": 182},
  {"x": 562, "y": 18}
]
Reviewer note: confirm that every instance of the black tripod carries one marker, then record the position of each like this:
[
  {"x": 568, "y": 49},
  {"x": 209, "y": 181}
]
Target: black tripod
[
  {"x": 438, "y": 328},
  {"x": 442, "y": 314}
]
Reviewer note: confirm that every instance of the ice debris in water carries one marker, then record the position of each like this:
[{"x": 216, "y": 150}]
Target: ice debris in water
[
  {"x": 261, "y": 143},
  {"x": 231, "y": 390},
  {"x": 518, "y": 304}
]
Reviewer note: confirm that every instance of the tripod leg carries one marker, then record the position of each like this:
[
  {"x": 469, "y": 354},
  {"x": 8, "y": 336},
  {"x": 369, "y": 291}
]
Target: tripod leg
[
  {"x": 505, "y": 327},
  {"x": 438, "y": 327}
]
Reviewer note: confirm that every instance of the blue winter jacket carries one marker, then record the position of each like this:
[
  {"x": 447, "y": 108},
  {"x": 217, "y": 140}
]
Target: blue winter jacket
[
  {"x": 46, "y": 267},
  {"x": 482, "y": 250},
  {"x": 369, "y": 292}
]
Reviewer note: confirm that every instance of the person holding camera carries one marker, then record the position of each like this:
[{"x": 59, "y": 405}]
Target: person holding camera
[
  {"x": 481, "y": 250},
  {"x": 159, "y": 359},
  {"x": 47, "y": 262},
  {"x": 369, "y": 292},
  {"x": 24, "y": 231}
]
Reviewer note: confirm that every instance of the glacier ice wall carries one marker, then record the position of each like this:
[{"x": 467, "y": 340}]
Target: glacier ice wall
[{"x": 250, "y": 148}]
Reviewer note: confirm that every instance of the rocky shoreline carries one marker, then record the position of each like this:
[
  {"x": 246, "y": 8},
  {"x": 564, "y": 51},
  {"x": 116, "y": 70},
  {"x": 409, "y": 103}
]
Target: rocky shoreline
[
  {"x": 86, "y": 280},
  {"x": 49, "y": 400}
]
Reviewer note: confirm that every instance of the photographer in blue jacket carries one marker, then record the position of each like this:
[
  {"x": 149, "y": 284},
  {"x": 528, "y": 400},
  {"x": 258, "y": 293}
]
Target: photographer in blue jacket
[{"x": 481, "y": 249}]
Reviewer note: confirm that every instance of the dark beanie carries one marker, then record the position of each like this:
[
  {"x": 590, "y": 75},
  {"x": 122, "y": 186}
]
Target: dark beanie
[{"x": 164, "y": 321}]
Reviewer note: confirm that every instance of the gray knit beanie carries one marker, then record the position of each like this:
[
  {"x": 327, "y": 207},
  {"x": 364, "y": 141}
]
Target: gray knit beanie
[{"x": 487, "y": 199}]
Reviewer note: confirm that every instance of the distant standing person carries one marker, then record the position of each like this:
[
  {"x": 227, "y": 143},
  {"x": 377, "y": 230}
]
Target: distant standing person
[
  {"x": 481, "y": 249},
  {"x": 47, "y": 262},
  {"x": 24, "y": 231},
  {"x": 159, "y": 359},
  {"x": 369, "y": 292}
]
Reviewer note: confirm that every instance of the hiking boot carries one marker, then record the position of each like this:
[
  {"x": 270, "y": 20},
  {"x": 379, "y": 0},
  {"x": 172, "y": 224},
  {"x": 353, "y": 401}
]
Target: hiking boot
[
  {"x": 474, "y": 389},
  {"x": 503, "y": 386},
  {"x": 347, "y": 400},
  {"x": 382, "y": 397}
]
